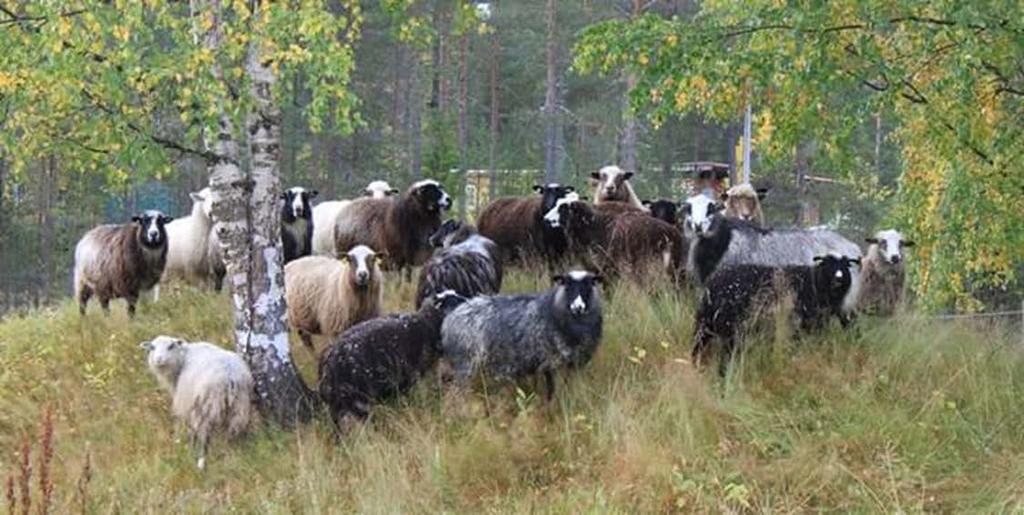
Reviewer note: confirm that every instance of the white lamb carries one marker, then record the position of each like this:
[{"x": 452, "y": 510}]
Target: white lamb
[
  {"x": 211, "y": 388},
  {"x": 188, "y": 241}
]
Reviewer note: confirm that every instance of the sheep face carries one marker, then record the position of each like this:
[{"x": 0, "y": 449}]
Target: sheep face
[
  {"x": 832, "y": 274},
  {"x": 362, "y": 265},
  {"x": 204, "y": 197},
  {"x": 151, "y": 232},
  {"x": 447, "y": 301},
  {"x": 296, "y": 203},
  {"x": 562, "y": 211},
  {"x": 890, "y": 245},
  {"x": 743, "y": 202},
  {"x": 664, "y": 210},
  {"x": 166, "y": 354},
  {"x": 699, "y": 211},
  {"x": 550, "y": 193},
  {"x": 379, "y": 189},
  {"x": 576, "y": 292},
  {"x": 430, "y": 196},
  {"x": 608, "y": 180}
]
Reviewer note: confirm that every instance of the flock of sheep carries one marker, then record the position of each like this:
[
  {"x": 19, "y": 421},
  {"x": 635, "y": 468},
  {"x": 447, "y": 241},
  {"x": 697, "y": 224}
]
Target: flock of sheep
[{"x": 336, "y": 253}]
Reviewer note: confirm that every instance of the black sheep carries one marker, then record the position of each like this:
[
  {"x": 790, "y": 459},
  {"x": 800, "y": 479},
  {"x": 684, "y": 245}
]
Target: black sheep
[
  {"x": 382, "y": 358},
  {"x": 297, "y": 223},
  {"x": 665, "y": 210},
  {"x": 464, "y": 262},
  {"x": 736, "y": 294}
]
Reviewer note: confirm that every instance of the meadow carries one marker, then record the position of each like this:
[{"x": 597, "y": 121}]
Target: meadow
[{"x": 899, "y": 415}]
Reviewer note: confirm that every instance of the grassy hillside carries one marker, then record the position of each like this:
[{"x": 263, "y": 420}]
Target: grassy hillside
[{"x": 900, "y": 415}]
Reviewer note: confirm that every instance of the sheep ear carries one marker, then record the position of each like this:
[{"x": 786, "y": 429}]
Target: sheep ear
[
  {"x": 724, "y": 196},
  {"x": 628, "y": 175},
  {"x": 584, "y": 197},
  {"x": 645, "y": 202},
  {"x": 595, "y": 175},
  {"x": 871, "y": 240},
  {"x": 196, "y": 197},
  {"x": 818, "y": 258},
  {"x": 393, "y": 191},
  {"x": 137, "y": 219},
  {"x": 599, "y": 279},
  {"x": 854, "y": 260},
  {"x": 558, "y": 279},
  {"x": 570, "y": 189},
  {"x": 762, "y": 193},
  {"x": 909, "y": 243},
  {"x": 314, "y": 193},
  {"x": 283, "y": 196},
  {"x": 164, "y": 219},
  {"x": 538, "y": 188},
  {"x": 147, "y": 346}
]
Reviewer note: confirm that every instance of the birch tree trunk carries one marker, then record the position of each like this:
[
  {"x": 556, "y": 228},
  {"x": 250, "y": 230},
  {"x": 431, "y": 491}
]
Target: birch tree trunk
[
  {"x": 246, "y": 215},
  {"x": 627, "y": 145}
]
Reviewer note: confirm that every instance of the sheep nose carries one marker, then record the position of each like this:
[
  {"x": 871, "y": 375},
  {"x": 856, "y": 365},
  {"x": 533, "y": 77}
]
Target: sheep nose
[
  {"x": 895, "y": 260},
  {"x": 362, "y": 277},
  {"x": 299, "y": 211}
]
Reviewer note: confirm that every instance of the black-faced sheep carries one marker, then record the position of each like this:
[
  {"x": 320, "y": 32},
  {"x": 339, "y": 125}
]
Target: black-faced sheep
[
  {"x": 617, "y": 242},
  {"x": 611, "y": 183},
  {"x": 465, "y": 262},
  {"x": 188, "y": 243},
  {"x": 120, "y": 261},
  {"x": 382, "y": 358},
  {"x": 739, "y": 294},
  {"x": 297, "y": 223},
  {"x": 379, "y": 189},
  {"x": 508, "y": 337},
  {"x": 398, "y": 227},
  {"x": 326, "y": 295},
  {"x": 211, "y": 388},
  {"x": 721, "y": 241},
  {"x": 516, "y": 225},
  {"x": 743, "y": 202},
  {"x": 665, "y": 210},
  {"x": 882, "y": 273}
]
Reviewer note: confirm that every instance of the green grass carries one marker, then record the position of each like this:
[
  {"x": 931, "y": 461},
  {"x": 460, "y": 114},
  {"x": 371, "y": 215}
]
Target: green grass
[{"x": 896, "y": 415}]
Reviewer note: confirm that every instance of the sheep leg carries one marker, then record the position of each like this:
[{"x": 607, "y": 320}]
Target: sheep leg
[
  {"x": 700, "y": 346},
  {"x": 156, "y": 294},
  {"x": 549, "y": 386},
  {"x": 105, "y": 304},
  {"x": 131, "y": 306},
  {"x": 83, "y": 299},
  {"x": 728, "y": 351}
]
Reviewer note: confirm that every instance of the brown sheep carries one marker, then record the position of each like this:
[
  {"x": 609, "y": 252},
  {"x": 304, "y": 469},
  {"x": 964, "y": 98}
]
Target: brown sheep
[
  {"x": 882, "y": 274},
  {"x": 516, "y": 225},
  {"x": 743, "y": 202},
  {"x": 397, "y": 226},
  {"x": 617, "y": 243},
  {"x": 611, "y": 183},
  {"x": 120, "y": 261},
  {"x": 327, "y": 296}
]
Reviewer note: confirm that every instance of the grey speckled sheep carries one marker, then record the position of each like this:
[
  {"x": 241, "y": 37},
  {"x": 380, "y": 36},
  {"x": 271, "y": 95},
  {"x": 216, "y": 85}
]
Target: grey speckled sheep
[
  {"x": 211, "y": 388},
  {"x": 507, "y": 337}
]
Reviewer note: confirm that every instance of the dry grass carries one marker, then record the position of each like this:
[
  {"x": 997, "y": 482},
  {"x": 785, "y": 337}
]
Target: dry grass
[{"x": 899, "y": 415}]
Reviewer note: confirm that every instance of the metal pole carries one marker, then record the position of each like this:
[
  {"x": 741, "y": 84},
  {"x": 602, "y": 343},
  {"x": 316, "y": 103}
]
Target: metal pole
[{"x": 746, "y": 145}]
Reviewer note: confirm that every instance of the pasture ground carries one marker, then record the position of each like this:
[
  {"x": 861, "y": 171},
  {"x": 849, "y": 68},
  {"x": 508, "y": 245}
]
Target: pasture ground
[{"x": 900, "y": 415}]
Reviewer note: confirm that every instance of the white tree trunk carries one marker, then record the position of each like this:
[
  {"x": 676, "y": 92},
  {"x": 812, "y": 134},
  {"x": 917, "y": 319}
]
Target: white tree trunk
[{"x": 246, "y": 215}]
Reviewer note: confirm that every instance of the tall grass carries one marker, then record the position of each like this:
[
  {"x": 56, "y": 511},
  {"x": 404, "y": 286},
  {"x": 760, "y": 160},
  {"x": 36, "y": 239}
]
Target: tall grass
[{"x": 905, "y": 414}]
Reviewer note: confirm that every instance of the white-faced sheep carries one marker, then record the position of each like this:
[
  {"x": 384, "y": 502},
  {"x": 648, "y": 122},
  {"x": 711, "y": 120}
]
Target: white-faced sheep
[
  {"x": 465, "y": 262},
  {"x": 382, "y": 358},
  {"x": 882, "y": 273},
  {"x": 379, "y": 189},
  {"x": 508, "y": 337},
  {"x": 743, "y": 202},
  {"x": 739, "y": 294},
  {"x": 188, "y": 242},
  {"x": 721, "y": 241},
  {"x": 326, "y": 295},
  {"x": 516, "y": 225},
  {"x": 211, "y": 388},
  {"x": 618, "y": 243},
  {"x": 297, "y": 223},
  {"x": 611, "y": 183},
  {"x": 120, "y": 261},
  {"x": 398, "y": 226}
]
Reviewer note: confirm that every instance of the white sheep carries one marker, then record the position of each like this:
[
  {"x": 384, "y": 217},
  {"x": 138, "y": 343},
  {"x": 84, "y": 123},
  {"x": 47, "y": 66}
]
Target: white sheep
[
  {"x": 211, "y": 388},
  {"x": 188, "y": 241},
  {"x": 326, "y": 295},
  {"x": 324, "y": 216},
  {"x": 379, "y": 189}
]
